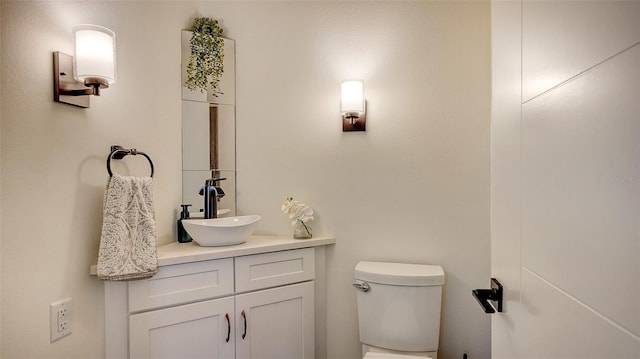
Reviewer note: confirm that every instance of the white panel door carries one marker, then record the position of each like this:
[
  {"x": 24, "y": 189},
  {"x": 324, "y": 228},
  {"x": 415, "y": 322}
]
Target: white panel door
[
  {"x": 276, "y": 323},
  {"x": 199, "y": 330},
  {"x": 565, "y": 38},
  {"x": 565, "y": 195}
]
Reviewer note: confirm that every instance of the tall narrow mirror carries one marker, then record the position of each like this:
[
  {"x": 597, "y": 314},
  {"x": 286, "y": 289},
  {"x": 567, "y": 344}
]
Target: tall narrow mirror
[{"x": 209, "y": 135}]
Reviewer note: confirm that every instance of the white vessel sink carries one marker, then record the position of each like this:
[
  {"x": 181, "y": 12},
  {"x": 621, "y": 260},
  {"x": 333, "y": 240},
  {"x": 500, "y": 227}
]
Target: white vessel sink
[
  {"x": 225, "y": 231},
  {"x": 200, "y": 215}
]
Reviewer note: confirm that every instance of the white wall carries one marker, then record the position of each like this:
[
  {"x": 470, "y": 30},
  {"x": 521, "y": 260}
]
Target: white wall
[
  {"x": 413, "y": 188},
  {"x": 53, "y": 160},
  {"x": 1, "y": 192},
  {"x": 565, "y": 186}
]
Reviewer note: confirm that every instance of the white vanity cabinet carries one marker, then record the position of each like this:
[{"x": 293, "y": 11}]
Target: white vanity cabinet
[
  {"x": 198, "y": 330},
  {"x": 276, "y": 322},
  {"x": 247, "y": 306},
  {"x": 172, "y": 314}
]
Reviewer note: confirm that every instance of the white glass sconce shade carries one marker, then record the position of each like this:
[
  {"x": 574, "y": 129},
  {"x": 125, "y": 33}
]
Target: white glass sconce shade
[
  {"x": 352, "y": 97},
  {"x": 92, "y": 68},
  {"x": 353, "y": 106},
  {"x": 95, "y": 55}
]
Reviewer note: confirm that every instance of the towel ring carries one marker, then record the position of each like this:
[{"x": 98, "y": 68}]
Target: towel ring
[{"x": 118, "y": 153}]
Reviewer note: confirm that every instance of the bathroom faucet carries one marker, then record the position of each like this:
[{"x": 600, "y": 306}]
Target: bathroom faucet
[{"x": 211, "y": 193}]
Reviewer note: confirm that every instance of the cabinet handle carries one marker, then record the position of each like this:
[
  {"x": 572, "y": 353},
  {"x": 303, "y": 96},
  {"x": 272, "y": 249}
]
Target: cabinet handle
[
  {"x": 244, "y": 316},
  {"x": 228, "y": 326}
]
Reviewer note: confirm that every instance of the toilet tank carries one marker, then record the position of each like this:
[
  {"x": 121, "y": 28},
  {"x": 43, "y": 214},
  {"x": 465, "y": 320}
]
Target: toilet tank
[{"x": 401, "y": 309}]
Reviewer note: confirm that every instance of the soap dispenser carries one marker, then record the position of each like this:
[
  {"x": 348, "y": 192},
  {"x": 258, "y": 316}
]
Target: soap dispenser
[{"x": 183, "y": 236}]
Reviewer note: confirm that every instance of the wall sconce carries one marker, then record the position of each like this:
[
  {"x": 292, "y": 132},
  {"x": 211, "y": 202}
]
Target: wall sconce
[
  {"x": 353, "y": 106},
  {"x": 93, "y": 66}
]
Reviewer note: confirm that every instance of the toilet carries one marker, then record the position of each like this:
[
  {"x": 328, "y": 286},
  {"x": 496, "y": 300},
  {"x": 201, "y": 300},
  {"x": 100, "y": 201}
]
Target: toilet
[{"x": 399, "y": 309}]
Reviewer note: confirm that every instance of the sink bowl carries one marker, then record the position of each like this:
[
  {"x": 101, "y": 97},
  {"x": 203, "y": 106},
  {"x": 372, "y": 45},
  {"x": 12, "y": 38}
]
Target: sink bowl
[
  {"x": 200, "y": 215},
  {"x": 225, "y": 231}
]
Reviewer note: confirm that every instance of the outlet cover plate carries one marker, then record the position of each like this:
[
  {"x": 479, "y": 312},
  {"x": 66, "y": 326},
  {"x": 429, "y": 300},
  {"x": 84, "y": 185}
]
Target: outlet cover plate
[{"x": 61, "y": 320}]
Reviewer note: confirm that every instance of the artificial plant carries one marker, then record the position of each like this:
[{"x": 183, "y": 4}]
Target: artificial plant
[{"x": 206, "y": 64}]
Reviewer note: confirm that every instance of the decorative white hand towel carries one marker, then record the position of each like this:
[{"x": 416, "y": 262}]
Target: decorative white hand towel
[{"x": 128, "y": 241}]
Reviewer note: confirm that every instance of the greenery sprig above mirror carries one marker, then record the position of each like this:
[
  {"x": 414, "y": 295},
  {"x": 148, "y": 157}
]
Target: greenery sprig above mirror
[{"x": 206, "y": 65}]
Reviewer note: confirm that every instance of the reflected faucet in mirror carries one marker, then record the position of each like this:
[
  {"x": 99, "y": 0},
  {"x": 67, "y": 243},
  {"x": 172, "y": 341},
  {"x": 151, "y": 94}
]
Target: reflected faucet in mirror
[{"x": 212, "y": 193}]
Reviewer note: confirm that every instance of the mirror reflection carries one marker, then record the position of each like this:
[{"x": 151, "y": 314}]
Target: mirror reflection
[{"x": 208, "y": 136}]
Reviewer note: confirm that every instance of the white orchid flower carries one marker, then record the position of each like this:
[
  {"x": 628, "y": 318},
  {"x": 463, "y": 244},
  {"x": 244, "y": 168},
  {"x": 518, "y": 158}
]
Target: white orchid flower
[{"x": 296, "y": 211}]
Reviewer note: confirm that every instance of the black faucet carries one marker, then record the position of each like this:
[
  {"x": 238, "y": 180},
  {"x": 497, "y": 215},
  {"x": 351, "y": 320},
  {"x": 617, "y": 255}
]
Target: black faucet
[{"x": 211, "y": 194}]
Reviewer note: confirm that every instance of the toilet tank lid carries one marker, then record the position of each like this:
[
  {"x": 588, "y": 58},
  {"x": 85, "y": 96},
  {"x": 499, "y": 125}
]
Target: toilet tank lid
[{"x": 400, "y": 273}]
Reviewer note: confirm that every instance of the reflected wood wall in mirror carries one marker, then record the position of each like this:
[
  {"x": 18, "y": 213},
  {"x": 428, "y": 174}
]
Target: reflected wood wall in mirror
[{"x": 213, "y": 135}]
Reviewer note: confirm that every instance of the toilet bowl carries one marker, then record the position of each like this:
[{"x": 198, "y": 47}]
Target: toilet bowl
[
  {"x": 382, "y": 353},
  {"x": 399, "y": 308},
  {"x": 377, "y": 355}
]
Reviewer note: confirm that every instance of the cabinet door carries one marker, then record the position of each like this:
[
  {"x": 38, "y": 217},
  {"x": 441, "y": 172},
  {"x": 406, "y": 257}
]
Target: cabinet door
[
  {"x": 199, "y": 330},
  {"x": 276, "y": 323}
]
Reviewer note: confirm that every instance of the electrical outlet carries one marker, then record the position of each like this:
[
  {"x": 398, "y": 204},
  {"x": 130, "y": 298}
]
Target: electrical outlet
[
  {"x": 63, "y": 324},
  {"x": 61, "y": 319}
]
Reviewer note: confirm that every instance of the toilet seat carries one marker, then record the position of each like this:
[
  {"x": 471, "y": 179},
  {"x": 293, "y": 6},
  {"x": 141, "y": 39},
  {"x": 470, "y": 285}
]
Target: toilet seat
[{"x": 377, "y": 355}]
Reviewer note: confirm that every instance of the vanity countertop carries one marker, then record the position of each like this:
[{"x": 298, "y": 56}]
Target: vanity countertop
[{"x": 178, "y": 253}]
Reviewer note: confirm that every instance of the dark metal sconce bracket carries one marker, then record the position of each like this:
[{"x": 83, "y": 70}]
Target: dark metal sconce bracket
[
  {"x": 353, "y": 123},
  {"x": 65, "y": 88}
]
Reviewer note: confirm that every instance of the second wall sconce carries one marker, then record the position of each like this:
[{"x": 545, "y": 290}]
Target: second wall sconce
[
  {"x": 93, "y": 66},
  {"x": 353, "y": 106}
]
